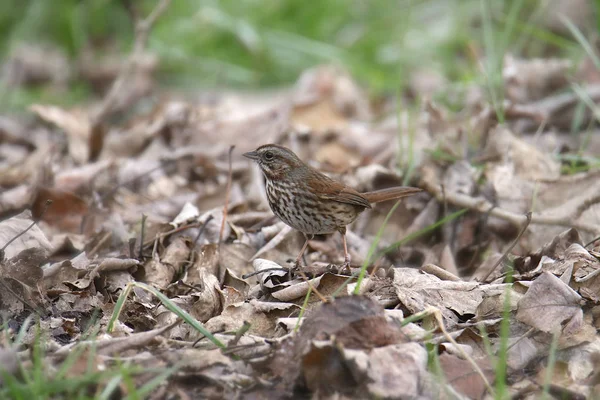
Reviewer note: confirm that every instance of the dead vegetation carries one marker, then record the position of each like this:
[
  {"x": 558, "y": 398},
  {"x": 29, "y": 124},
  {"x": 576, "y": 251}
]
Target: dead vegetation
[{"x": 144, "y": 238}]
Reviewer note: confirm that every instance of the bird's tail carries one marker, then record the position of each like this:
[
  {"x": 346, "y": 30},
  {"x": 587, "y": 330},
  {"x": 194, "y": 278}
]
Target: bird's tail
[{"x": 390, "y": 193}]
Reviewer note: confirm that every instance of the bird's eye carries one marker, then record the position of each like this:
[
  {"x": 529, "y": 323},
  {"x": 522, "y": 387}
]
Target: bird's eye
[{"x": 268, "y": 156}]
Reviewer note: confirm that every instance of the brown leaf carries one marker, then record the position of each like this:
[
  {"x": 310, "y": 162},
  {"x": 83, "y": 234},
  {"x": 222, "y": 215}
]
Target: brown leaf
[
  {"x": 530, "y": 80},
  {"x": 555, "y": 248},
  {"x": 25, "y": 267},
  {"x": 13, "y": 293},
  {"x": 262, "y": 320},
  {"x": 323, "y": 342},
  {"x": 324, "y": 370},
  {"x": 392, "y": 372},
  {"x": 16, "y": 225},
  {"x": 9, "y": 363},
  {"x": 158, "y": 274},
  {"x": 96, "y": 141},
  {"x": 550, "y": 305},
  {"x": 209, "y": 300},
  {"x": 356, "y": 321},
  {"x": 325, "y": 98},
  {"x": 417, "y": 291},
  {"x": 75, "y": 124},
  {"x": 66, "y": 211},
  {"x": 463, "y": 377}
]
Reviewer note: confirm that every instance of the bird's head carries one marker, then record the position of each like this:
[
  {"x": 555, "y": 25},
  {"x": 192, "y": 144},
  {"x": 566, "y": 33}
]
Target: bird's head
[{"x": 275, "y": 161}]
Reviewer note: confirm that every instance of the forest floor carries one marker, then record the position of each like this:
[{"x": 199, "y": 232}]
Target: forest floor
[{"x": 139, "y": 257}]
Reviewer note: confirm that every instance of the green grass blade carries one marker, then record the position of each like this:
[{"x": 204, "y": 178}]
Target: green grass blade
[
  {"x": 502, "y": 390},
  {"x": 493, "y": 62},
  {"x": 579, "y": 36},
  {"x": 147, "y": 388},
  {"x": 363, "y": 269},
  {"x": 23, "y": 331},
  {"x": 171, "y": 306},
  {"x": 110, "y": 387},
  {"x": 422, "y": 232},
  {"x": 118, "y": 308},
  {"x": 303, "y": 309},
  {"x": 179, "y": 312},
  {"x": 550, "y": 366},
  {"x": 585, "y": 97}
]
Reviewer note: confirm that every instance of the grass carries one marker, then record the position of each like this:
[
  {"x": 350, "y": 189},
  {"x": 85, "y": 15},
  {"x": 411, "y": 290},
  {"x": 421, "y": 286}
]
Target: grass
[
  {"x": 373, "y": 248},
  {"x": 168, "y": 303},
  {"x": 247, "y": 44},
  {"x": 501, "y": 367},
  {"x": 551, "y": 363},
  {"x": 71, "y": 378},
  {"x": 240, "y": 43}
]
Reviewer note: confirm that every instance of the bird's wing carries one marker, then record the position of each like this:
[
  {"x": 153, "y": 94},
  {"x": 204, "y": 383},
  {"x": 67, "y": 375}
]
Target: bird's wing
[{"x": 330, "y": 189}]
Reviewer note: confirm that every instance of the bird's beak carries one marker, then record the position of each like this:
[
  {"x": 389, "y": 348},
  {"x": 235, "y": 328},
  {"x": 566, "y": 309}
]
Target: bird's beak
[{"x": 251, "y": 155}]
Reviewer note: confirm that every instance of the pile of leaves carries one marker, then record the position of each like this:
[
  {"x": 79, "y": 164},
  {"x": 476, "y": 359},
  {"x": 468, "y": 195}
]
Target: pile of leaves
[{"x": 138, "y": 248}]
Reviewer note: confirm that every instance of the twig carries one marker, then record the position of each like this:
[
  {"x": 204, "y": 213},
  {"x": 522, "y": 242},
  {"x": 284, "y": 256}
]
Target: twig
[
  {"x": 101, "y": 243},
  {"x": 239, "y": 333},
  {"x": 163, "y": 164},
  {"x": 591, "y": 241},
  {"x": 227, "y": 193},
  {"x": 172, "y": 231},
  {"x": 512, "y": 246},
  {"x": 187, "y": 285},
  {"x": 311, "y": 287},
  {"x": 33, "y": 308},
  {"x": 202, "y": 229},
  {"x": 273, "y": 242},
  {"x": 440, "y": 272},
  {"x": 142, "y": 31},
  {"x": 587, "y": 203},
  {"x": 523, "y": 336},
  {"x": 250, "y": 216},
  {"x": 483, "y": 206},
  {"x": 142, "y": 232},
  {"x": 200, "y": 232},
  {"x": 251, "y": 274},
  {"x": 438, "y": 317}
]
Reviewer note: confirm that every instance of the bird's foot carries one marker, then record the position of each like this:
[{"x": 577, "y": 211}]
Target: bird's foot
[
  {"x": 345, "y": 265},
  {"x": 296, "y": 265},
  {"x": 342, "y": 268}
]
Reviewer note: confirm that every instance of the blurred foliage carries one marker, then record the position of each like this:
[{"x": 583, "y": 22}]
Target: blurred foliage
[{"x": 252, "y": 43}]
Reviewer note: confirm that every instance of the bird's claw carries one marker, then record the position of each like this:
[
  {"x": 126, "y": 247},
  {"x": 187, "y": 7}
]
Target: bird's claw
[
  {"x": 296, "y": 266},
  {"x": 344, "y": 266}
]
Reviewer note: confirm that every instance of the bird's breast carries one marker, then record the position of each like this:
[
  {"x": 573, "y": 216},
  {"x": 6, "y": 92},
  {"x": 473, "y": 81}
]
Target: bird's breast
[{"x": 301, "y": 209}]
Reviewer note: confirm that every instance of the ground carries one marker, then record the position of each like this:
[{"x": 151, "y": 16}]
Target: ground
[{"x": 139, "y": 257}]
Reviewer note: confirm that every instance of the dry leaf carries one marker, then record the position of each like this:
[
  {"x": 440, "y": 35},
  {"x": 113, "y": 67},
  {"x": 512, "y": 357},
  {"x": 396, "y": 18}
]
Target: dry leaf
[
  {"x": 16, "y": 225},
  {"x": 462, "y": 376},
  {"x": 550, "y": 306}
]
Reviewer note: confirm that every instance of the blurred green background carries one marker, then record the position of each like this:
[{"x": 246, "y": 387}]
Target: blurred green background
[{"x": 266, "y": 43}]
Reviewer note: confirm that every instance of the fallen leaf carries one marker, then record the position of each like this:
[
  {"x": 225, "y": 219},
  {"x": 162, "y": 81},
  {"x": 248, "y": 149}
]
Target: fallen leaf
[
  {"x": 462, "y": 376},
  {"x": 550, "y": 305},
  {"x": 15, "y": 226}
]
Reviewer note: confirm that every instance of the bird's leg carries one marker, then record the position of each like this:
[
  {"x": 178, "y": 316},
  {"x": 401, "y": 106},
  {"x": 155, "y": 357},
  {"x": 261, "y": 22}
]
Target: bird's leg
[
  {"x": 297, "y": 262},
  {"x": 347, "y": 257}
]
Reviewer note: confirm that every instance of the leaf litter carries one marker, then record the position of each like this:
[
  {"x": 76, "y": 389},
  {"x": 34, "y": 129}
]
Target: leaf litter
[{"x": 158, "y": 199}]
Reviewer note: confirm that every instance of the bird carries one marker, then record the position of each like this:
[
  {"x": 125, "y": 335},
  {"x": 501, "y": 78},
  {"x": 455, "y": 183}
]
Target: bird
[{"x": 311, "y": 202}]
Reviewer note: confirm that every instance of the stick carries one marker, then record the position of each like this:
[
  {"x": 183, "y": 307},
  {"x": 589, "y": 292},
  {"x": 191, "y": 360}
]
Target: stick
[{"x": 483, "y": 206}]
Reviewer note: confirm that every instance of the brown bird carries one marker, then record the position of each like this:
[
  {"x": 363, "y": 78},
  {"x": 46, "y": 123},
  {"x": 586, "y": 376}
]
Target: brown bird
[{"x": 310, "y": 201}]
